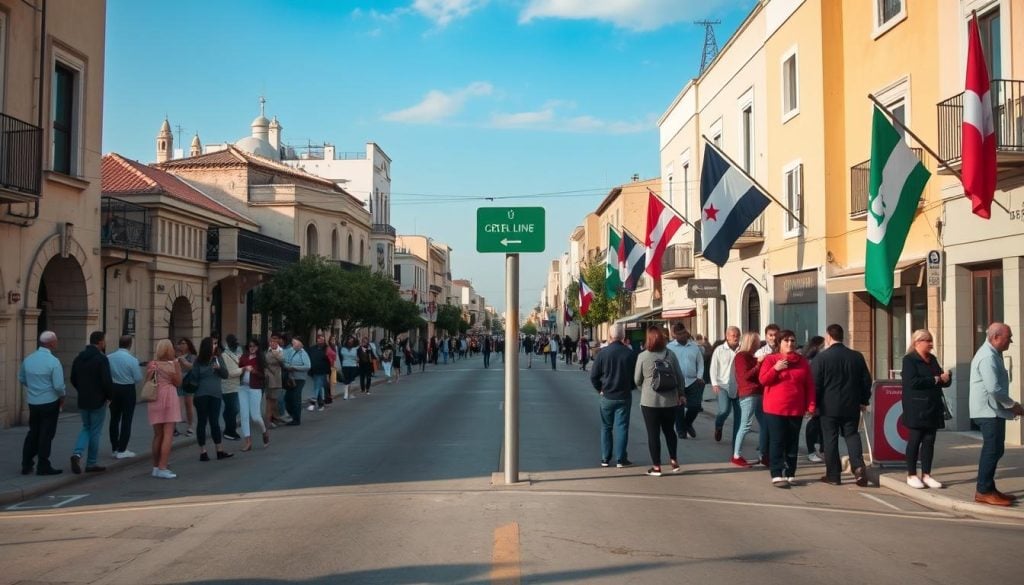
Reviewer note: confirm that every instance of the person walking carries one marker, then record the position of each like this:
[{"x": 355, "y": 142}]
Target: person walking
[
  {"x": 90, "y": 375},
  {"x": 229, "y": 355},
  {"x": 660, "y": 379},
  {"x": 294, "y": 370},
  {"x": 332, "y": 358},
  {"x": 42, "y": 376},
  {"x": 528, "y": 344},
  {"x": 812, "y": 428},
  {"x": 126, "y": 374},
  {"x": 444, "y": 350},
  {"x": 407, "y": 353},
  {"x": 272, "y": 381},
  {"x": 422, "y": 358},
  {"x": 250, "y": 392},
  {"x": 396, "y": 360},
  {"x": 789, "y": 395},
  {"x": 186, "y": 355},
  {"x": 553, "y": 351},
  {"x": 164, "y": 412},
  {"x": 923, "y": 380},
  {"x": 319, "y": 371},
  {"x": 387, "y": 358},
  {"x": 584, "y": 351},
  {"x": 612, "y": 377},
  {"x": 749, "y": 392},
  {"x": 348, "y": 358},
  {"x": 365, "y": 357},
  {"x": 691, "y": 361},
  {"x": 208, "y": 372},
  {"x": 487, "y": 351},
  {"x": 770, "y": 345},
  {"x": 990, "y": 408},
  {"x": 842, "y": 383},
  {"x": 723, "y": 382}
]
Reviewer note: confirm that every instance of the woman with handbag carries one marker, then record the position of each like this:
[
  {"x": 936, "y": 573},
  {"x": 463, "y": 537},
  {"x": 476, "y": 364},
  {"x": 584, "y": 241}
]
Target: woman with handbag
[
  {"x": 164, "y": 410},
  {"x": 250, "y": 393},
  {"x": 207, "y": 373},
  {"x": 923, "y": 406}
]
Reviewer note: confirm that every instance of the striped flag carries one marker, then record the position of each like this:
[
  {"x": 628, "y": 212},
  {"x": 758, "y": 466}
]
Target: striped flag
[
  {"x": 978, "y": 135},
  {"x": 662, "y": 224},
  {"x": 729, "y": 203},
  {"x": 612, "y": 281},
  {"x": 586, "y": 296},
  {"x": 631, "y": 261}
]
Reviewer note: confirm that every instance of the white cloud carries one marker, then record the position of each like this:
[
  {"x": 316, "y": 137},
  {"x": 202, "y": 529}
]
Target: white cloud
[
  {"x": 438, "y": 105},
  {"x": 547, "y": 118},
  {"x": 637, "y": 15},
  {"x": 443, "y": 12}
]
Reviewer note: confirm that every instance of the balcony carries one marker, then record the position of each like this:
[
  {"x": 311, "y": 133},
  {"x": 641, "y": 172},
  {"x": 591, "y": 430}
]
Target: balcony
[
  {"x": 860, "y": 177},
  {"x": 752, "y": 236},
  {"x": 20, "y": 160},
  {"x": 436, "y": 289},
  {"x": 348, "y": 266},
  {"x": 677, "y": 262},
  {"x": 384, "y": 228},
  {"x": 1007, "y": 116},
  {"x": 238, "y": 245},
  {"x": 125, "y": 225}
]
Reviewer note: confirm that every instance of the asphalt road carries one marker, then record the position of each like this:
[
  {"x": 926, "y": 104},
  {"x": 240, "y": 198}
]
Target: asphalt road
[{"x": 395, "y": 488}]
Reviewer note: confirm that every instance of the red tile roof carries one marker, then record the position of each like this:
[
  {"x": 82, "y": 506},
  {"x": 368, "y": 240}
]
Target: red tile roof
[{"x": 122, "y": 177}]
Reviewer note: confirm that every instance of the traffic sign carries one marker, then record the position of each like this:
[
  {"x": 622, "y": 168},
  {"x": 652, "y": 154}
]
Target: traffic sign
[
  {"x": 510, "y": 230},
  {"x": 934, "y": 268}
]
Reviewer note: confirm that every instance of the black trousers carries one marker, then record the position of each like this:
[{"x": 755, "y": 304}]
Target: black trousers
[
  {"x": 660, "y": 421},
  {"x": 783, "y": 443},
  {"x": 687, "y": 414},
  {"x": 365, "y": 373},
  {"x": 231, "y": 413},
  {"x": 812, "y": 434},
  {"x": 293, "y": 401},
  {"x": 42, "y": 427},
  {"x": 849, "y": 428},
  {"x": 207, "y": 412},
  {"x": 921, "y": 441},
  {"x": 122, "y": 409}
]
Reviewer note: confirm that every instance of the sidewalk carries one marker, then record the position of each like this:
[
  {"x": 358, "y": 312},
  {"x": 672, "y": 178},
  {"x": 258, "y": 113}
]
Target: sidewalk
[{"x": 15, "y": 487}]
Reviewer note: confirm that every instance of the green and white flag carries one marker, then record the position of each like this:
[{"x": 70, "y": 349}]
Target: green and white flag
[
  {"x": 897, "y": 181},
  {"x": 612, "y": 281}
]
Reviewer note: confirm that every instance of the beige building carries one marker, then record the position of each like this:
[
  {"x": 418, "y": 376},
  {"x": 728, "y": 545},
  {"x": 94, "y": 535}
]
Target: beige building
[
  {"x": 50, "y": 270},
  {"x": 439, "y": 273}
]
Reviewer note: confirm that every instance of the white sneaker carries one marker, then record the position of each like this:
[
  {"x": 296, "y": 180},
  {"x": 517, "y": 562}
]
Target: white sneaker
[
  {"x": 311, "y": 407},
  {"x": 165, "y": 474},
  {"x": 155, "y": 470},
  {"x": 915, "y": 482},
  {"x": 780, "y": 482},
  {"x": 791, "y": 480},
  {"x": 932, "y": 483},
  {"x": 125, "y": 455},
  {"x": 814, "y": 458}
]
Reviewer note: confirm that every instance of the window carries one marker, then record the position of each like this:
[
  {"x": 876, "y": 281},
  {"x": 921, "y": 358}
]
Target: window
[
  {"x": 888, "y": 13},
  {"x": 987, "y": 289},
  {"x": 311, "y": 240},
  {"x": 334, "y": 244},
  {"x": 362, "y": 252},
  {"x": 398, "y": 272},
  {"x": 790, "y": 87},
  {"x": 794, "y": 177},
  {"x": 3, "y": 57},
  {"x": 988, "y": 26},
  {"x": 65, "y": 81},
  {"x": 748, "y": 138},
  {"x": 717, "y": 140},
  {"x": 350, "y": 247}
]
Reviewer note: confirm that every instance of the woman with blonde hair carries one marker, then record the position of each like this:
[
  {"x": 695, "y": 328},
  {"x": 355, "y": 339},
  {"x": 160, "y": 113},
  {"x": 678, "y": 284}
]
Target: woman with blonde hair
[
  {"x": 923, "y": 412},
  {"x": 165, "y": 411},
  {"x": 749, "y": 392}
]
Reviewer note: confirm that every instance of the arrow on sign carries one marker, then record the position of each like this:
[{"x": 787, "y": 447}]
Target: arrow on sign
[{"x": 506, "y": 241}]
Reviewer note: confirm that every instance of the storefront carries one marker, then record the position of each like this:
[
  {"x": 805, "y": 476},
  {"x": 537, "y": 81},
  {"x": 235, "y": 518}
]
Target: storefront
[{"x": 796, "y": 304}]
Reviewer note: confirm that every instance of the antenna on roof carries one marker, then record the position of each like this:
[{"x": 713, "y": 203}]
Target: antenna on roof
[
  {"x": 178, "y": 129},
  {"x": 710, "y": 44},
  {"x": 263, "y": 104}
]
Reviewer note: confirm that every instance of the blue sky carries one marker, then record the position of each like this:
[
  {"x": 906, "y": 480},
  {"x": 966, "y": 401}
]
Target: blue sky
[{"x": 470, "y": 98}]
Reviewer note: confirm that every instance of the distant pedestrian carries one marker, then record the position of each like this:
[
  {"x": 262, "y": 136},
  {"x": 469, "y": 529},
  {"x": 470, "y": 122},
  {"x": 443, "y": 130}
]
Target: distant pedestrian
[
  {"x": 43, "y": 378},
  {"x": 584, "y": 352},
  {"x": 294, "y": 371},
  {"x": 407, "y": 353},
  {"x": 348, "y": 357},
  {"x": 396, "y": 361},
  {"x": 612, "y": 377},
  {"x": 319, "y": 372},
  {"x": 842, "y": 382},
  {"x": 788, "y": 396},
  {"x": 723, "y": 382},
  {"x": 208, "y": 372},
  {"x": 250, "y": 392},
  {"x": 332, "y": 358},
  {"x": 164, "y": 412},
  {"x": 365, "y": 357},
  {"x": 990, "y": 408},
  {"x": 424, "y": 349},
  {"x": 126, "y": 374},
  {"x": 690, "y": 357},
  {"x": 90, "y": 375},
  {"x": 923, "y": 380},
  {"x": 229, "y": 354},
  {"x": 186, "y": 355},
  {"x": 553, "y": 351},
  {"x": 487, "y": 350},
  {"x": 750, "y": 393},
  {"x": 660, "y": 380},
  {"x": 273, "y": 383},
  {"x": 387, "y": 358}
]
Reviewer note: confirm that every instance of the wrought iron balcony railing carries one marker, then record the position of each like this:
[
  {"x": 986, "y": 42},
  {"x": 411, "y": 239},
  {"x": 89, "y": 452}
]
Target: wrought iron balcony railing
[
  {"x": 235, "y": 244},
  {"x": 860, "y": 177},
  {"x": 124, "y": 225},
  {"x": 384, "y": 228},
  {"x": 1007, "y": 116},
  {"x": 20, "y": 156}
]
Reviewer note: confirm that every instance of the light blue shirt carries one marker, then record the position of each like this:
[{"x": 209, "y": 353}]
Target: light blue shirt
[
  {"x": 124, "y": 367},
  {"x": 990, "y": 385},
  {"x": 298, "y": 360},
  {"x": 43, "y": 377},
  {"x": 691, "y": 360}
]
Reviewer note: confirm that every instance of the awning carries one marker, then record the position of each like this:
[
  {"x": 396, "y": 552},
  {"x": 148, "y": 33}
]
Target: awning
[
  {"x": 907, "y": 273},
  {"x": 645, "y": 315},
  {"x": 679, "y": 312}
]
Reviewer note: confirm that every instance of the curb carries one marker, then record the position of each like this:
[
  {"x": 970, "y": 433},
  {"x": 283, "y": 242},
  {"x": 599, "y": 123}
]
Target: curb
[{"x": 932, "y": 499}]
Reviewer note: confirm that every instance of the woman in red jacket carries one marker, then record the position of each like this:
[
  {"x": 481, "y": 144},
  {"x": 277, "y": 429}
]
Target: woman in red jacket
[{"x": 788, "y": 396}]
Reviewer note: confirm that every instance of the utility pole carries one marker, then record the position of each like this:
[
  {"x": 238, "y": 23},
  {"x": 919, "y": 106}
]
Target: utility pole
[{"x": 710, "y": 44}]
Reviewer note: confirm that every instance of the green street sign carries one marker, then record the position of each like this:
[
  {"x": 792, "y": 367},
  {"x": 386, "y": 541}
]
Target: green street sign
[{"x": 510, "y": 230}]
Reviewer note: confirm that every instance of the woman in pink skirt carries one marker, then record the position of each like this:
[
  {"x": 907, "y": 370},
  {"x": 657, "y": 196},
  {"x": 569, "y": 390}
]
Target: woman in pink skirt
[{"x": 165, "y": 411}]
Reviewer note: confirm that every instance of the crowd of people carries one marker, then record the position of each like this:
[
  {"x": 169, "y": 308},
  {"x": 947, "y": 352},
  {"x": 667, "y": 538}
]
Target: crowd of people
[{"x": 823, "y": 387}]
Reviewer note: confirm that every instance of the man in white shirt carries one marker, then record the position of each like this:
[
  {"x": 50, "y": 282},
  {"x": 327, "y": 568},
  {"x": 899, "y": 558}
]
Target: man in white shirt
[
  {"x": 691, "y": 362},
  {"x": 771, "y": 342},
  {"x": 723, "y": 382}
]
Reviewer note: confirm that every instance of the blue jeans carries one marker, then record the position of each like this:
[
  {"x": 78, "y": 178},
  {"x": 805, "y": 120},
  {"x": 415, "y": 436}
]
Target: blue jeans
[
  {"x": 614, "y": 421},
  {"x": 993, "y": 434},
  {"x": 487, "y": 359},
  {"x": 319, "y": 383},
  {"x": 444, "y": 356},
  {"x": 89, "y": 436},
  {"x": 554, "y": 360},
  {"x": 744, "y": 420},
  {"x": 725, "y": 405}
]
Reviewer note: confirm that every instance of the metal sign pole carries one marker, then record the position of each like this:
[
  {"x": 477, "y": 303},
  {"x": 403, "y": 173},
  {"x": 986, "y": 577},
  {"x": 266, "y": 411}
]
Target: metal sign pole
[{"x": 511, "y": 370}]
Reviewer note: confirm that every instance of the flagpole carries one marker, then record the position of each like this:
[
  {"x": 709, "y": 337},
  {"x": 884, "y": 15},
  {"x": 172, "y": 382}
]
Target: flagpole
[
  {"x": 751, "y": 179},
  {"x": 669, "y": 205},
  {"x": 925, "y": 146}
]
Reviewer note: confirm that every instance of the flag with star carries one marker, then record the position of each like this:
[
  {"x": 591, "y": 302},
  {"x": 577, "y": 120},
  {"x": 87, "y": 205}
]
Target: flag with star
[{"x": 729, "y": 203}]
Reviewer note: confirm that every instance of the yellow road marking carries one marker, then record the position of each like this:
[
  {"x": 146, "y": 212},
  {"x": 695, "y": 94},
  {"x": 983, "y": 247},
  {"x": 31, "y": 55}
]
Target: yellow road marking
[{"x": 505, "y": 557}]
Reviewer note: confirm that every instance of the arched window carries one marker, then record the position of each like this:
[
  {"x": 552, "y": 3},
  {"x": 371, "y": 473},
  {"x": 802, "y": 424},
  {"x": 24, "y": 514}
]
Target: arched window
[
  {"x": 334, "y": 244},
  {"x": 752, "y": 309},
  {"x": 311, "y": 240},
  {"x": 350, "y": 247},
  {"x": 362, "y": 251}
]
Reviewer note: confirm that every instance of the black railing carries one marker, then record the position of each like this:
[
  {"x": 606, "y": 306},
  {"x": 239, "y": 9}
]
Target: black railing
[
  {"x": 251, "y": 247},
  {"x": 677, "y": 257},
  {"x": 348, "y": 266},
  {"x": 1007, "y": 117},
  {"x": 124, "y": 225},
  {"x": 860, "y": 178},
  {"x": 20, "y": 155},
  {"x": 383, "y": 228}
]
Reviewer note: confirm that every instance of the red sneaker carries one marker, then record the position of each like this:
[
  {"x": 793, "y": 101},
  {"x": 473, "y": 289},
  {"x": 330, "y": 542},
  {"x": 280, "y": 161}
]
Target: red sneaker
[{"x": 739, "y": 462}]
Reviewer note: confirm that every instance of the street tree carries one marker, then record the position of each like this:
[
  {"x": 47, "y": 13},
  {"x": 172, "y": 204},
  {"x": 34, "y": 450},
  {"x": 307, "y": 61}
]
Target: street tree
[
  {"x": 602, "y": 309},
  {"x": 448, "y": 317},
  {"x": 306, "y": 294},
  {"x": 530, "y": 328},
  {"x": 403, "y": 316},
  {"x": 367, "y": 299}
]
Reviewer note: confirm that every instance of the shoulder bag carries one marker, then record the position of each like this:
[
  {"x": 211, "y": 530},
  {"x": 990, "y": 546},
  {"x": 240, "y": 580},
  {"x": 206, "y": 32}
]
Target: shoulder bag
[{"x": 149, "y": 389}]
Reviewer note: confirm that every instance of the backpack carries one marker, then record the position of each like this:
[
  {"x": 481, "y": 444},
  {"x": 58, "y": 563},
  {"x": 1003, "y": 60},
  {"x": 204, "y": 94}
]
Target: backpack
[{"x": 663, "y": 380}]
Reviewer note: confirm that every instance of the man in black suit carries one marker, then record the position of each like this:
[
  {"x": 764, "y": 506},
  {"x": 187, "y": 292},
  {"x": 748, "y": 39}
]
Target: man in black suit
[{"x": 843, "y": 384}]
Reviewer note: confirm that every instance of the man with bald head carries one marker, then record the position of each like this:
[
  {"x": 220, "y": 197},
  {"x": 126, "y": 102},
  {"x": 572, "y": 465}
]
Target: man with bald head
[
  {"x": 612, "y": 377},
  {"x": 43, "y": 378},
  {"x": 990, "y": 407}
]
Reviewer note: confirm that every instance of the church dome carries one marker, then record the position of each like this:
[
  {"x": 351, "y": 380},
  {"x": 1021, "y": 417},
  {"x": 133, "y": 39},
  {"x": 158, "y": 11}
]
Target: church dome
[
  {"x": 260, "y": 121},
  {"x": 259, "y": 147}
]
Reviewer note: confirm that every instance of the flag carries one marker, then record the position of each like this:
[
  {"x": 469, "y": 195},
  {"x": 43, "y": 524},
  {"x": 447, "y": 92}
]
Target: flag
[
  {"x": 978, "y": 136},
  {"x": 729, "y": 203},
  {"x": 566, "y": 315},
  {"x": 631, "y": 261},
  {"x": 586, "y": 296},
  {"x": 662, "y": 224},
  {"x": 894, "y": 189},
  {"x": 612, "y": 282}
]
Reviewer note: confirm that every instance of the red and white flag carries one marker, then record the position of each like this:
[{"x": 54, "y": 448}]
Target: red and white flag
[
  {"x": 662, "y": 224},
  {"x": 978, "y": 131},
  {"x": 586, "y": 296}
]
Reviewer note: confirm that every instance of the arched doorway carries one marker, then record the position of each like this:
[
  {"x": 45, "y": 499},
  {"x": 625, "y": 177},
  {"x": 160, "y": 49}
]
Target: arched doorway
[
  {"x": 751, "y": 309},
  {"x": 63, "y": 306},
  {"x": 311, "y": 240},
  {"x": 181, "y": 324}
]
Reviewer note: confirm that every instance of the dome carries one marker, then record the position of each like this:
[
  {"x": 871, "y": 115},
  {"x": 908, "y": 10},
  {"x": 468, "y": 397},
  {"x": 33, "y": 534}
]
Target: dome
[
  {"x": 259, "y": 147},
  {"x": 195, "y": 140},
  {"x": 165, "y": 128},
  {"x": 261, "y": 121}
]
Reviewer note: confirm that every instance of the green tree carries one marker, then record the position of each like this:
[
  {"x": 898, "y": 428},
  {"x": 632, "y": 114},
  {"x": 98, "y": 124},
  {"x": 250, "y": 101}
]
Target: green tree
[
  {"x": 366, "y": 299},
  {"x": 306, "y": 294},
  {"x": 530, "y": 328},
  {"x": 463, "y": 326},
  {"x": 448, "y": 317},
  {"x": 402, "y": 316}
]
